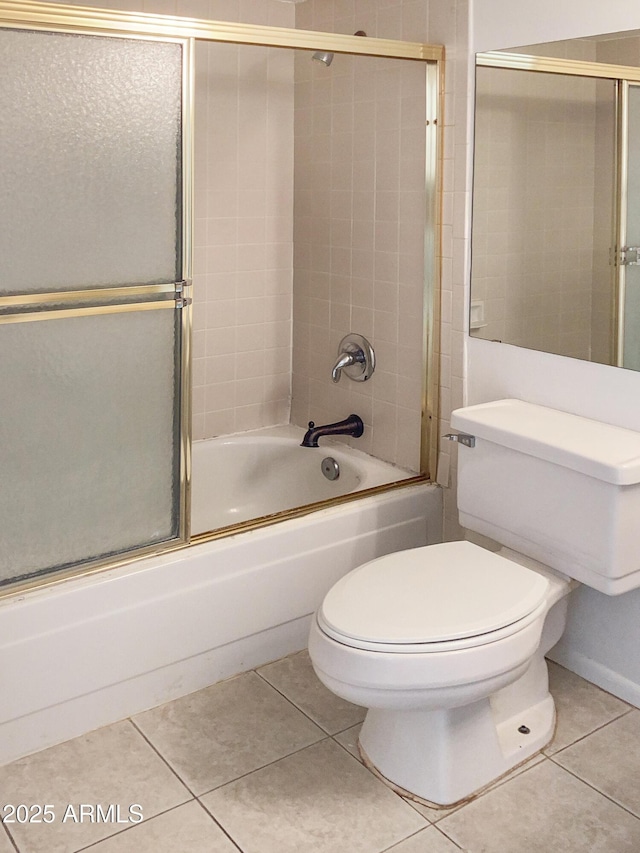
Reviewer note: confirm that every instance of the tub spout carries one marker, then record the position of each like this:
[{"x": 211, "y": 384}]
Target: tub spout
[{"x": 352, "y": 426}]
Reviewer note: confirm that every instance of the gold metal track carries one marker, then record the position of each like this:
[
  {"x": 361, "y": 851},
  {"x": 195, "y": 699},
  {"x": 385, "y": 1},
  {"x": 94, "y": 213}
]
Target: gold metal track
[
  {"x": 64, "y": 313},
  {"x": 95, "y": 293},
  {"x": 83, "y": 18},
  {"x": 553, "y": 65}
]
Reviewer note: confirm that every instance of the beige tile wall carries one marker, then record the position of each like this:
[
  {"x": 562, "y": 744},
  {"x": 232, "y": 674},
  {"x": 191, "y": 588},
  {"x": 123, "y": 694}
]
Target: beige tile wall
[
  {"x": 359, "y": 245},
  {"x": 243, "y": 238},
  {"x": 243, "y": 225},
  {"x": 439, "y": 22}
]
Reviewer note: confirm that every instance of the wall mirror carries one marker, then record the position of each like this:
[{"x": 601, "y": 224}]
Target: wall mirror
[{"x": 556, "y": 199}]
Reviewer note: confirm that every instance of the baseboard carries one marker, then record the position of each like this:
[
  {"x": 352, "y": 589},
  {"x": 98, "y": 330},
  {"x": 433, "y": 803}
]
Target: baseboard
[{"x": 599, "y": 674}]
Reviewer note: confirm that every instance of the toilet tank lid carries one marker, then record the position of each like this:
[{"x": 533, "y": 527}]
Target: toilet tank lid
[{"x": 602, "y": 451}]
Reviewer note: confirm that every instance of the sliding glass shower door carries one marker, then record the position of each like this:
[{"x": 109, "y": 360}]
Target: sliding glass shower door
[{"x": 93, "y": 307}]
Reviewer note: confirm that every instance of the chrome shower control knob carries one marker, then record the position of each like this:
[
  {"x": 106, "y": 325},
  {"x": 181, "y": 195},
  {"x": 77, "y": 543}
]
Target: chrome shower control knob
[
  {"x": 330, "y": 468},
  {"x": 356, "y": 359}
]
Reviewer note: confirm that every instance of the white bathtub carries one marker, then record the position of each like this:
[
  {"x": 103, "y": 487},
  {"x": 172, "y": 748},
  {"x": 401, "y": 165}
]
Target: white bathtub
[
  {"x": 260, "y": 473},
  {"x": 94, "y": 650}
]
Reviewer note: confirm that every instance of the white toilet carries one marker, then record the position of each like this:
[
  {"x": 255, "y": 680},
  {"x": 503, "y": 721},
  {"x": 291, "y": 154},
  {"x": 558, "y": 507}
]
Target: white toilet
[{"x": 445, "y": 644}]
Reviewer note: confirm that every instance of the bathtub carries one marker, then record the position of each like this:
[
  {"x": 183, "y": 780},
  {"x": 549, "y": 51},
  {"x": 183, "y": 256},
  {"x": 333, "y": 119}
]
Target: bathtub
[
  {"x": 96, "y": 649},
  {"x": 265, "y": 472}
]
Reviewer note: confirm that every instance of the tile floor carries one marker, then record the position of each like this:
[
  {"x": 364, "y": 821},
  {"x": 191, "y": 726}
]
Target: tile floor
[{"x": 266, "y": 763}]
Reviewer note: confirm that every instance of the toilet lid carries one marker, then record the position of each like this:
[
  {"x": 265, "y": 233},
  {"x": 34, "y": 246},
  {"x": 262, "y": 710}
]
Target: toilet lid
[{"x": 432, "y": 594}]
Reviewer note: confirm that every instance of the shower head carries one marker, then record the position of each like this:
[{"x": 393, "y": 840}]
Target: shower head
[{"x": 323, "y": 56}]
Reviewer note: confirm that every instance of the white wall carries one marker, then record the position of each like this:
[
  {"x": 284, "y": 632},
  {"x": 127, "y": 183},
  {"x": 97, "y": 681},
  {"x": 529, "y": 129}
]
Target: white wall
[
  {"x": 602, "y": 635},
  {"x": 504, "y": 23}
]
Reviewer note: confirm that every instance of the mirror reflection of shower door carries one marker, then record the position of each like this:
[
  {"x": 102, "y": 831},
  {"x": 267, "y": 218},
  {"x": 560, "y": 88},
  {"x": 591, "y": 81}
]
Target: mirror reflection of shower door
[
  {"x": 93, "y": 318},
  {"x": 629, "y": 308}
]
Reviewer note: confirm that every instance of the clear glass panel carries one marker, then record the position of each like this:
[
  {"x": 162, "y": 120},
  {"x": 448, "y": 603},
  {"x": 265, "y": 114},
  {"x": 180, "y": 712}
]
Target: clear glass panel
[
  {"x": 90, "y": 144},
  {"x": 87, "y": 438},
  {"x": 631, "y": 355}
]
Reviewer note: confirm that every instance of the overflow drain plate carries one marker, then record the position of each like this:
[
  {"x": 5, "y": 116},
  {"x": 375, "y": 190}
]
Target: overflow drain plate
[{"x": 330, "y": 468}]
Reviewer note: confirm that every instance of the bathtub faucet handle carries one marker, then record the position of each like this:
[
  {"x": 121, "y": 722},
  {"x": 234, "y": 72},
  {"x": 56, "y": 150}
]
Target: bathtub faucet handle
[
  {"x": 346, "y": 360},
  {"x": 355, "y": 357}
]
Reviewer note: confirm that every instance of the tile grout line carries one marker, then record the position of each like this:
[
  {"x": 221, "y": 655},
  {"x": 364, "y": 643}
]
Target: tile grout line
[
  {"x": 194, "y": 796},
  {"x": 396, "y": 843},
  {"x": 13, "y": 843},
  {"x": 448, "y": 837},
  {"x": 597, "y": 790},
  {"x": 217, "y": 823},
  {"x": 325, "y": 736},
  {"x": 508, "y": 777},
  {"x": 592, "y": 732},
  {"x": 166, "y": 811},
  {"x": 414, "y": 834},
  {"x": 129, "y": 828},
  {"x": 291, "y": 702},
  {"x": 302, "y": 711},
  {"x": 161, "y": 756},
  {"x": 262, "y": 767}
]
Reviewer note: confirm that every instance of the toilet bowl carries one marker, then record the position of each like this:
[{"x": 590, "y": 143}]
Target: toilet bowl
[
  {"x": 445, "y": 644},
  {"x": 430, "y": 640}
]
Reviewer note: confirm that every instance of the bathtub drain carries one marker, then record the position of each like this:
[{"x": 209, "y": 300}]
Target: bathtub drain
[{"x": 330, "y": 468}]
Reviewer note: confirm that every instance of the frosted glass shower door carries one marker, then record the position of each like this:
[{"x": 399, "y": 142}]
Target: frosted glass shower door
[
  {"x": 630, "y": 320},
  {"x": 93, "y": 313}
]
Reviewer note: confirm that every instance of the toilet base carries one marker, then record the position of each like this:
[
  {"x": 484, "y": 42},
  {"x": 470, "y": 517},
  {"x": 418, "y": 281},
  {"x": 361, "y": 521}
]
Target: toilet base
[
  {"x": 445, "y": 807},
  {"x": 446, "y": 756}
]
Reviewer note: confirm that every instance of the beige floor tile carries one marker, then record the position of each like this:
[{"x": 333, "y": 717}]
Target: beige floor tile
[
  {"x": 5, "y": 845},
  {"x": 220, "y": 733},
  {"x": 430, "y": 840},
  {"x": 581, "y": 707},
  {"x": 186, "y": 829},
  {"x": 609, "y": 759},
  {"x": 349, "y": 740},
  {"x": 320, "y": 800},
  {"x": 111, "y": 766},
  {"x": 545, "y": 810},
  {"x": 294, "y": 677}
]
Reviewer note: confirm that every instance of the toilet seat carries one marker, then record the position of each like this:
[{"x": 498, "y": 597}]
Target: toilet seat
[{"x": 432, "y": 599}]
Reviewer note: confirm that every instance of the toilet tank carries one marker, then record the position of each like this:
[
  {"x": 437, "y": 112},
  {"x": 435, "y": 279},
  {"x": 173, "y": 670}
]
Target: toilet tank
[{"x": 557, "y": 487}]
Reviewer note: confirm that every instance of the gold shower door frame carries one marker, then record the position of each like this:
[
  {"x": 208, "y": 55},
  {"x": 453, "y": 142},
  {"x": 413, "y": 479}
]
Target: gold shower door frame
[{"x": 186, "y": 31}]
